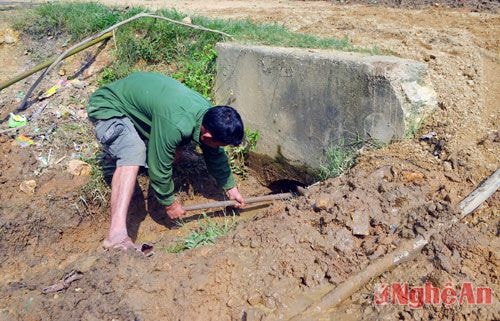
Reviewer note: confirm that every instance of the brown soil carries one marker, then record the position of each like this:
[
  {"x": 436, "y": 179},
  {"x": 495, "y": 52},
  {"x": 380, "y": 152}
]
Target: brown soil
[{"x": 268, "y": 267}]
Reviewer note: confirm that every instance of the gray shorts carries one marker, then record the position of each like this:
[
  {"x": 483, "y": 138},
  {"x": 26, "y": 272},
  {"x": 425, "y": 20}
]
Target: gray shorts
[{"x": 120, "y": 140}]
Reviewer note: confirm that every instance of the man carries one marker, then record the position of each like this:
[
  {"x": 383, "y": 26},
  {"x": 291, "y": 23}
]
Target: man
[{"x": 140, "y": 121}]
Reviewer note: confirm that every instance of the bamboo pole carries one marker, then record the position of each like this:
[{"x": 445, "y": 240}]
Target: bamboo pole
[
  {"x": 49, "y": 62},
  {"x": 24, "y": 104},
  {"x": 407, "y": 250}
]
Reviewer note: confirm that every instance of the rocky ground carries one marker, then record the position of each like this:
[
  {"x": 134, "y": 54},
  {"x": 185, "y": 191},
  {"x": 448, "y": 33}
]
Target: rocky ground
[{"x": 278, "y": 259}]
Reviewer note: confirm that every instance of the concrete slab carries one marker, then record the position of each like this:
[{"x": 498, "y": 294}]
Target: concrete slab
[{"x": 304, "y": 101}]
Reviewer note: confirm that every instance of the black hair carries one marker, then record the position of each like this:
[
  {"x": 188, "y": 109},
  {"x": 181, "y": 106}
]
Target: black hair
[{"x": 225, "y": 125}]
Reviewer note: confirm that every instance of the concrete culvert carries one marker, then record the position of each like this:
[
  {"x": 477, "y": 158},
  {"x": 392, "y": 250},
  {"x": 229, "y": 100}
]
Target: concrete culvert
[{"x": 304, "y": 101}]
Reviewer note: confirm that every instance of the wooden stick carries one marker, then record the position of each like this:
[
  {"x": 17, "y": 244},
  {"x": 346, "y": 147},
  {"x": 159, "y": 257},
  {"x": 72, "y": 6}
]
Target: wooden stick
[
  {"x": 11, "y": 129},
  {"x": 480, "y": 194},
  {"x": 250, "y": 200},
  {"x": 406, "y": 251}
]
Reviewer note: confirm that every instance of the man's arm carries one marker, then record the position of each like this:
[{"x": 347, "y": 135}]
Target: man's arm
[
  {"x": 163, "y": 140},
  {"x": 218, "y": 167}
]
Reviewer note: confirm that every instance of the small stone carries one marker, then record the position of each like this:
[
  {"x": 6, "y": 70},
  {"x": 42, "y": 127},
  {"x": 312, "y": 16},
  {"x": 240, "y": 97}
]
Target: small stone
[
  {"x": 360, "y": 223},
  {"x": 86, "y": 264},
  {"x": 452, "y": 177},
  {"x": 255, "y": 299},
  {"x": 187, "y": 20},
  {"x": 448, "y": 167},
  {"x": 382, "y": 173},
  {"x": 438, "y": 278},
  {"x": 8, "y": 39},
  {"x": 254, "y": 243},
  {"x": 79, "y": 168},
  {"x": 81, "y": 114},
  {"x": 444, "y": 262},
  {"x": 8, "y": 36},
  {"x": 343, "y": 240},
  {"x": 413, "y": 177},
  {"x": 62, "y": 72},
  {"x": 322, "y": 203},
  {"x": 468, "y": 272},
  {"x": 28, "y": 187},
  {"x": 77, "y": 83},
  {"x": 369, "y": 246},
  {"x": 453, "y": 160},
  {"x": 378, "y": 252},
  {"x": 270, "y": 303}
]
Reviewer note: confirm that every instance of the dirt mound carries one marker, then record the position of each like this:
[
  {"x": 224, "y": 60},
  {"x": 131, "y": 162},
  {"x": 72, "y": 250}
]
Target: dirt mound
[{"x": 260, "y": 268}]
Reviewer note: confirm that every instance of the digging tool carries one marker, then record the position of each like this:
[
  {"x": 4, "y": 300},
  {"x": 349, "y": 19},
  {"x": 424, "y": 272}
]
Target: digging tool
[{"x": 250, "y": 200}]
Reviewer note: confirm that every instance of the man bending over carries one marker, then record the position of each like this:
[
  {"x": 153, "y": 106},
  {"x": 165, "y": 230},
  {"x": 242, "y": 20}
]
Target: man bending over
[{"x": 140, "y": 121}]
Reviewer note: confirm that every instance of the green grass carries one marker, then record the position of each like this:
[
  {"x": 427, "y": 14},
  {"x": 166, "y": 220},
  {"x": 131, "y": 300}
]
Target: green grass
[
  {"x": 78, "y": 20},
  {"x": 413, "y": 121},
  {"x": 185, "y": 53},
  {"x": 207, "y": 233},
  {"x": 96, "y": 191},
  {"x": 237, "y": 155},
  {"x": 339, "y": 158}
]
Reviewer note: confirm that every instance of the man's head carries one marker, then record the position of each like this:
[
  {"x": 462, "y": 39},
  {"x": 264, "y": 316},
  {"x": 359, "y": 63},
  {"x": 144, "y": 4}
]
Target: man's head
[{"x": 221, "y": 126}]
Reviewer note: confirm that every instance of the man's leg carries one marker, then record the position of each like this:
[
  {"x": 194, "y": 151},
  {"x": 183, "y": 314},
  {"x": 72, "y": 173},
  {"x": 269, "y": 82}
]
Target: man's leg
[
  {"x": 122, "y": 143},
  {"x": 122, "y": 188}
]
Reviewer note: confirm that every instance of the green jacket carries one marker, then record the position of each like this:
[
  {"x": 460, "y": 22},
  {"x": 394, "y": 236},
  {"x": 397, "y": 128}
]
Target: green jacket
[{"x": 166, "y": 114}]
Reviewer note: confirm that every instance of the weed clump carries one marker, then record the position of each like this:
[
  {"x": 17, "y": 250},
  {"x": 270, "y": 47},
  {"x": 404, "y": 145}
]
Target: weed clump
[
  {"x": 206, "y": 233},
  {"x": 77, "y": 19},
  {"x": 339, "y": 158},
  {"x": 97, "y": 190},
  {"x": 237, "y": 155}
]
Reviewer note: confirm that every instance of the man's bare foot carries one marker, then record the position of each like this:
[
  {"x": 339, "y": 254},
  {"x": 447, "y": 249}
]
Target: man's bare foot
[{"x": 126, "y": 244}]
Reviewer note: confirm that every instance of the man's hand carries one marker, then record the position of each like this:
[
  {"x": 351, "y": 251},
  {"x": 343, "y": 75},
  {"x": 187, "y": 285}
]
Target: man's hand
[
  {"x": 234, "y": 194},
  {"x": 175, "y": 210}
]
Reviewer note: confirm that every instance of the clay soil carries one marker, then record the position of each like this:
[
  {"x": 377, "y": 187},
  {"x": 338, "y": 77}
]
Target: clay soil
[{"x": 279, "y": 259}]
